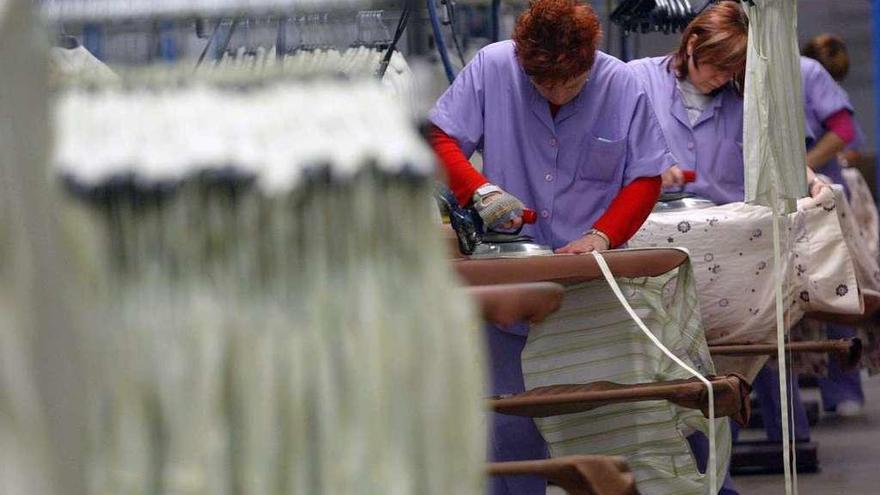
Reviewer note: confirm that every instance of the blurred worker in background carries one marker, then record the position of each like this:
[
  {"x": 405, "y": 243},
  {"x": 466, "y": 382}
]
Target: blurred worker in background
[{"x": 841, "y": 390}]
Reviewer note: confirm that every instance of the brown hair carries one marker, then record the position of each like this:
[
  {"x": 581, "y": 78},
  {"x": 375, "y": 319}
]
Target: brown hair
[
  {"x": 721, "y": 35},
  {"x": 830, "y": 51},
  {"x": 556, "y": 40}
]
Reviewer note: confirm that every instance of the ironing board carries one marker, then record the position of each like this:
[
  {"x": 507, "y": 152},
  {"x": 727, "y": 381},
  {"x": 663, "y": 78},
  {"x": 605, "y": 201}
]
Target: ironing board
[
  {"x": 577, "y": 475},
  {"x": 592, "y": 339},
  {"x": 507, "y": 304},
  {"x": 731, "y": 397},
  {"x": 848, "y": 351},
  {"x": 569, "y": 269}
]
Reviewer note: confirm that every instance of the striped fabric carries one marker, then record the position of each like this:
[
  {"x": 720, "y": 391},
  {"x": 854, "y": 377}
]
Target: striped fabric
[{"x": 592, "y": 338}]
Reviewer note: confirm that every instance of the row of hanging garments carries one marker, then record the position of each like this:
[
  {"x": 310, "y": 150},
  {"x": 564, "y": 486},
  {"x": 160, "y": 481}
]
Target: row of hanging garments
[
  {"x": 354, "y": 62},
  {"x": 260, "y": 271},
  {"x": 260, "y": 308},
  {"x": 257, "y": 253}
]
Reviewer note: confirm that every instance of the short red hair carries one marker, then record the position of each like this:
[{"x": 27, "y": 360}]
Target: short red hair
[
  {"x": 721, "y": 38},
  {"x": 556, "y": 40}
]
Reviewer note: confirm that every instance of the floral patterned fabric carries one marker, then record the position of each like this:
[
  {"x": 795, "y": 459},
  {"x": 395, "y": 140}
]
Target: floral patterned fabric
[
  {"x": 864, "y": 221},
  {"x": 858, "y": 219},
  {"x": 731, "y": 249}
]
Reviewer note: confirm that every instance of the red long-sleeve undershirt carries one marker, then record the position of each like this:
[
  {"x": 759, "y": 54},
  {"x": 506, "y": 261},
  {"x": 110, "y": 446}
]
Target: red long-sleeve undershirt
[
  {"x": 629, "y": 209},
  {"x": 841, "y": 123},
  {"x": 626, "y": 213}
]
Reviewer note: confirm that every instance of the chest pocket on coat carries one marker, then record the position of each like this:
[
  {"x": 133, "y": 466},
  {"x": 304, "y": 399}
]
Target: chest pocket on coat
[
  {"x": 729, "y": 163},
  {"x": 604, "y": 158}
]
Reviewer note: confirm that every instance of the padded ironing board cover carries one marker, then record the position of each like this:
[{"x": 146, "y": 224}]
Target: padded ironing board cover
[
  {"x": 592, "y": 338},
  {"x": 732, "y": 254}
]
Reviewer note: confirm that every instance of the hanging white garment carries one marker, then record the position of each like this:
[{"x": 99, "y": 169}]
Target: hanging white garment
[
  {"x": 773, "y": 133},
  {"x": 592, "y": 338},
  {"x": 40, "y": 391},
  {"x": 857, "y": 237},
  {"x": 773, "y": 146},
  {"x": 177, "y": 133}
]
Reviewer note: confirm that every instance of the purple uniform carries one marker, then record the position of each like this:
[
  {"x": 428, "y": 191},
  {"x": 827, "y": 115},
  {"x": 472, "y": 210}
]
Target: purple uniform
[
  {"x": 859, "y": 141},
  {"x": 823, "y": 98},
  {"x": 712, "y": 146},
  {"x": 568, "y": 168}
]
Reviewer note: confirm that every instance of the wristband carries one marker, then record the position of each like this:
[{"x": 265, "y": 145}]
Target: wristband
[
  {"x": 485, "y": 190},
  {"x": 600, "y": 234}
]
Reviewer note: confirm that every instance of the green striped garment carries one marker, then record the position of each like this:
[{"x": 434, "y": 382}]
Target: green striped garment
[{"x": 592, "y": 338}]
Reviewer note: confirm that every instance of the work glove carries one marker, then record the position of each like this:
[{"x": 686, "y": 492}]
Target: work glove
[{"x": 498, "y": 208}]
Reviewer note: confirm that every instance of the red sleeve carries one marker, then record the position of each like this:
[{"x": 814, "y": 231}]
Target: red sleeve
[
  {"x": 462, "y": 177},
  {"x": 841, "y": 123},
  {"x": 629, "y": 209}
]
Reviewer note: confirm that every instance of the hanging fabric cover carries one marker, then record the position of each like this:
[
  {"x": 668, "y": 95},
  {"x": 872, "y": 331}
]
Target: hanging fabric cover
[
  {"x": 773, "y": 135},
  {"x": 40, "y": 397},
  {"x": 773, "y": 146}
]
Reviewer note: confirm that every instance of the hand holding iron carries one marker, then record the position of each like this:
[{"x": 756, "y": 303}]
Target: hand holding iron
[
  {"x": 498, "y": 208},
  {"x": 676, "y": 177}
]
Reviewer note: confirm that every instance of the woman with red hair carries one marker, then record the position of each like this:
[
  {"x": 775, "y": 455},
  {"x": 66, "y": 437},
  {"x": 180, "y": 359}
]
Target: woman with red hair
[{"x": 564, "y": 129}]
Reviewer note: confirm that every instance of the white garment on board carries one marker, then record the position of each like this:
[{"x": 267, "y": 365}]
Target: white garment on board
[{"x": 732, "y": 252}]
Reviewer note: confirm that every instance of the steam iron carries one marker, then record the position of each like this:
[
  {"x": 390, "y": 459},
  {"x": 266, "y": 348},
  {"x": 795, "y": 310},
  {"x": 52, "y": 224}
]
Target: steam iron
[
  {"x": 475, "y": 242},
  {"x": 680, "y": 200}
]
